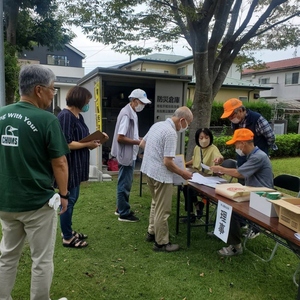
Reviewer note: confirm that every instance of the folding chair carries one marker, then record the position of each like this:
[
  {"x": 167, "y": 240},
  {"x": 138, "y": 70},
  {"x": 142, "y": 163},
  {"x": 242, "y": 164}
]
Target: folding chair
[
  {"x": 288, "y": 182},
  {"x": 229, "y": 163}
]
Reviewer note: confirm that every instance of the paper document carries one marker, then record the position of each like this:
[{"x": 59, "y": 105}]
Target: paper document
[
  {"x": 210, "y": 181},
  {"x": 180, "y": 162},
  {"x": 205, "y": 167}
]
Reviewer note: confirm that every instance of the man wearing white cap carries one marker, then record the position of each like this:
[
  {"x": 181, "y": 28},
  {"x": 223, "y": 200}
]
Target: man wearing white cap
[{"x": 125, "y": 148}]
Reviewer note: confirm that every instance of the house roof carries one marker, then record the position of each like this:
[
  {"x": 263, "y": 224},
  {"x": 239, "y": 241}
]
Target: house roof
[
  {"x": 290, "y": 63},
  {"x": 75, "y": 50},
  {"x": 130, "y": 73},
  {"x": 242, "y": 84},
  {"x": 238, "y": 83},
  {"x": 157, "y": 58},
  {"x": 162, "y": 57}
]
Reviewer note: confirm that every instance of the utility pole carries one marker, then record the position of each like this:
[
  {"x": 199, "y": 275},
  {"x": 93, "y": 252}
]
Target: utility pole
[{"x": 2, "y": 55}]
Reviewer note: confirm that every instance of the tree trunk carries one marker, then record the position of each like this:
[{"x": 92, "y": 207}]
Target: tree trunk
[
  {"x": 202, "y": 104},
  {"x": 11, "y": 37}
]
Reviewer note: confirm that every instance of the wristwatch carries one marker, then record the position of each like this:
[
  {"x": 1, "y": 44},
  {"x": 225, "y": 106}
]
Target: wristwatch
[{"x": 65, "y": 196}]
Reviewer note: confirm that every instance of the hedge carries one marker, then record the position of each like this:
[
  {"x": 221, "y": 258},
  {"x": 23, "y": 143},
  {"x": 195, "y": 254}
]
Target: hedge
[{"x": 288, "y": 146}]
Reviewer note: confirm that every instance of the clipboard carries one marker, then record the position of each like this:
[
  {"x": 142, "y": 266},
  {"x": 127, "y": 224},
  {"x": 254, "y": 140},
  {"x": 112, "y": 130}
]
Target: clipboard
[
  {"x": 95, "y": 136},
  {"x": 180, "y": 162}
]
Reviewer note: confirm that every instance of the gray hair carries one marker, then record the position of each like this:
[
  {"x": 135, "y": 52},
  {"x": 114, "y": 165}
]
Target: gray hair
[
  {"x": 183, "y": 112},
  {"x": 32, "y": 75},
  {"x": 240, "y": 107}
]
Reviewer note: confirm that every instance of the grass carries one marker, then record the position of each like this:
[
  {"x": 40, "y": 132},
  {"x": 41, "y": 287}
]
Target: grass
[{"x": 120, "y": 264}]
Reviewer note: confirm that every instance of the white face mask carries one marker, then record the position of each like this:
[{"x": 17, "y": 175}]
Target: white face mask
[
  {"x": 235, "y": 120},
  {"x": 185, "y": 128},
  {"x": 204, "y": 142},
  {"x": 239, "y": 152},
  {"x": 139, "y": 107}
]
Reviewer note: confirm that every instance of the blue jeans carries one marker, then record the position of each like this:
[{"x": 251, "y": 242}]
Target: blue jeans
[
  {"x": 125, "y": 179},
  {"x": 66, "y": 217}
]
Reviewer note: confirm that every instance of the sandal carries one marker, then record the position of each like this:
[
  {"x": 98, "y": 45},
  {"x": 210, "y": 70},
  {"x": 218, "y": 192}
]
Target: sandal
[
  {"x": 78, "y": 235},
  {"x": 76, "y": 243}
]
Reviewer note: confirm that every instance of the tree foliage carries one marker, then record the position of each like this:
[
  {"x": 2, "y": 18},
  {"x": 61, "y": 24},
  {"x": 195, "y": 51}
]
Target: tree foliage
[
  {"x": 28, "y": 23},
  {"x": 216, "y": 31}
]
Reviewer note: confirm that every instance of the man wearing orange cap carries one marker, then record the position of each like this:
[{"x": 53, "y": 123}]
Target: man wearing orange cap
[
  {"x": 257, "y": 172},
  {"x": 240, "y": 117}
]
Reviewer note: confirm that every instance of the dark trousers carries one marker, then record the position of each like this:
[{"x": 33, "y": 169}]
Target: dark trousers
[
  {"x": 234, "y": 236},
  {"x": 193, "y": 197}
]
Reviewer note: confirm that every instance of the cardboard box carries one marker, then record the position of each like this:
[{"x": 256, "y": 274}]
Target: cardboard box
[
  {"x": 262, "y": 204},
  {"x": 288, "y": 210}
]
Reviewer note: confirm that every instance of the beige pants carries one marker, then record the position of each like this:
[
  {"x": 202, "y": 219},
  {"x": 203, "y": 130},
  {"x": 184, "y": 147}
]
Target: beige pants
[
  {"x": 39, "y": 226},
  {"x": 160, "y": 211}
]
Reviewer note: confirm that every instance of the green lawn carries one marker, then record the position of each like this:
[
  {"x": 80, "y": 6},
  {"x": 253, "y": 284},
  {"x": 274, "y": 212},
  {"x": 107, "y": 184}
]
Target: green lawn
[{"x": 120, "y": 264}]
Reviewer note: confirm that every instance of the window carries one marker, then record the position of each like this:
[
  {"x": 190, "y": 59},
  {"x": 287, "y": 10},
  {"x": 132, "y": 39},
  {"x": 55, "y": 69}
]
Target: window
[
  {"x": 243, "y": 98},
  {"x": 166, "y": 71},
  {"x": 264, "y": 80},
  {"x": 58, "y": 60},
  {"x": 181, "y": 71},
  {"x": 292, "y": 78}
]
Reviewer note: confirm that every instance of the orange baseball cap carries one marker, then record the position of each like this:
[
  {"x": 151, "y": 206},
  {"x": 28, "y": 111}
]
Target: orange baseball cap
[
  {"x": 241, "y": 135},
  {"x": 229, "y": 106}
]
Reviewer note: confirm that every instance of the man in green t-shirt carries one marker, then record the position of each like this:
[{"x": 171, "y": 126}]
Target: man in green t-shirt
[{"x": 32, "y": 152}]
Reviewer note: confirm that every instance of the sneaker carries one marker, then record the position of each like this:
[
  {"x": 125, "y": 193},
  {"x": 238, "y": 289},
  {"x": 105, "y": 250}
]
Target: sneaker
[
  {"x": 166, "y": 248},
  {"x": 252, "y": 234},
  {"x": 128, "y": 218},
  {"x": 150, "y": 237},
  {"x": 64, "y": 298},
  {"x": 117, "y": 212},
  {"x": 231, "y": 250}
]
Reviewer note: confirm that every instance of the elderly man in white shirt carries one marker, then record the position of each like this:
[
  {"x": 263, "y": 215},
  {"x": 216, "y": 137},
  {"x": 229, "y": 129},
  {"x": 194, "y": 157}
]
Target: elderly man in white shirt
[{"x": 158, "y": 164}]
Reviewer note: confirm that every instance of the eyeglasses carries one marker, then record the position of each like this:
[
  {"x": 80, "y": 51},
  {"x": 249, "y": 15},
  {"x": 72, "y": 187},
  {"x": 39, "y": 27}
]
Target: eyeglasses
[{"x": 50, "y": 88}]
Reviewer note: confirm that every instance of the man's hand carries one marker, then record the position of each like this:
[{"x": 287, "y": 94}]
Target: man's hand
[
  {"x": 217, "y": 169},
  {"x": 64, "y": 205},
  {"x": 186, "y": 175}
]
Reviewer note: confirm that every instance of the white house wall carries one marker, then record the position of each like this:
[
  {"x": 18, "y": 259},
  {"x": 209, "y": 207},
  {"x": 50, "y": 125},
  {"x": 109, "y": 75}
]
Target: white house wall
[
  {"x": 281, "y": 91},
  {"x": 66, "y": 71},
  {"x": 234, "y": 72}
]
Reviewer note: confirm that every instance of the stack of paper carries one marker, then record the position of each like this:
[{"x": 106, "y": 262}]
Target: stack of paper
[{"x": 210, "y": 181}]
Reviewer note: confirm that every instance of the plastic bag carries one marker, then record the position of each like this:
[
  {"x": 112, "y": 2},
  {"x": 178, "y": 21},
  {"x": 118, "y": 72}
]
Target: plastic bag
[{"x": 112, "y": 165}]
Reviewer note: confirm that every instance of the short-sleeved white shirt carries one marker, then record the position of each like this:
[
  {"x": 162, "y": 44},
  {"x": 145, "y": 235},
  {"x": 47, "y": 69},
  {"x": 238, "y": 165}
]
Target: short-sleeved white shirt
[
  {"x": 123, "y": 129},
  {"x": 161, "y": 141}
]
